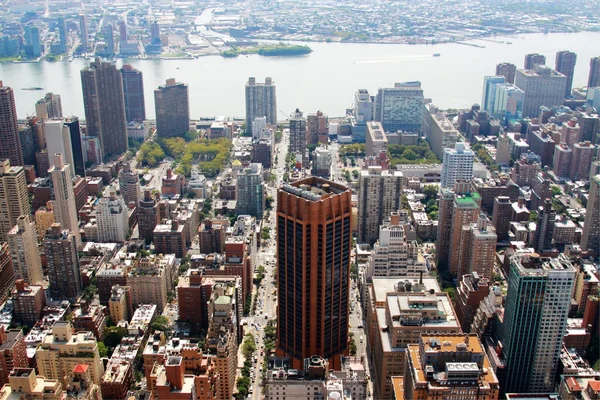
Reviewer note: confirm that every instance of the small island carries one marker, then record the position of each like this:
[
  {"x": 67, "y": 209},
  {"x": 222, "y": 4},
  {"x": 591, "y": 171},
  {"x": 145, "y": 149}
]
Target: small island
[{"x": 269, "y": 50}]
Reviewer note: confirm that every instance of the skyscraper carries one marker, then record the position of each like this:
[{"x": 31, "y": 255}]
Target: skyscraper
[
  {"x": 251, "y": 197},
  {"x": 507, "y": 70},
  {"x": 535, "y": 318},
  {"x": 313, "y": 255},
  {"x": 34, "y": 43},
  {"x": 14, "y": 200},
  {"x": 49, "y": 106},
  {"x": 590, "y": 239},
  {"x": 64, "y": 206},
  {"x": 105, "y": 106},
  {"x": 24, "y": 251},
  {"x": 261, "y": 101},
  {"x": 465, "y": 211},
  {"x": 133, "y": 90},
  {"x": 457, "y": 164},
  {"x": 72, "y": 124},
  {"x": 109, "y": 37},
  {"x": 129, "y": 184},
  {"x": 478, "y": 251},
  {"x": 363, "y": 106},
  {"x": 298, "y": 133},
  {"x": 565, "y": 64},
  {"x": 63, "y": 263},
  {"x": 58, "y": 138},
  {"x": 489, "y": 91},
  {"x": 83, "y": 33},
  {"x": 147, "y": 216},
  {"x": 534, "y": 59},
  {"x": 317, "y": 128},
  {"x": 171, "y": 102},
  {"x": 155, "y": 33},
  {"x": 508, "y": 102},
  {"x": 545, "y": 227},
  {"x": 594, "y": 78},
  {"x": 502, "y": 216},
  {"x": 400, "y": 107},
  {"x": 10, "y": 145},
  {"x": 62, "y": 35},
  {"x": 379, "y": 195},
  {"x": 542, "y": 86}
]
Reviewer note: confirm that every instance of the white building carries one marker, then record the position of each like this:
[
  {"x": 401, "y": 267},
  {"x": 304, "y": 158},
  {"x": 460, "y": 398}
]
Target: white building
[
  {"x": 112, "y": 218},
  {"x": 259, "y": 125},
  {"x": 457, "y": 164},
  {"x": 58, "y": 140},
  {"x": 63, "y": 205},
  {"x": 393, "y": 254},
  {"x": 198, "y": 184}
]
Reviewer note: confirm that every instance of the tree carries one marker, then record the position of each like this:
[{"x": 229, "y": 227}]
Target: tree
[
  {"x": 161, "y": 323},
  {"x": 353, "y": 348},
  {"x": 249, "y": 346},
  {"x": 265, "y": 233},
  {"x": 430, "y": 191},
  {"x": 555, "y": 190},
  {"x": 533, "y": 216},
  {"x": 102, "y": 349},
  {"x": 269, "y": 202}
]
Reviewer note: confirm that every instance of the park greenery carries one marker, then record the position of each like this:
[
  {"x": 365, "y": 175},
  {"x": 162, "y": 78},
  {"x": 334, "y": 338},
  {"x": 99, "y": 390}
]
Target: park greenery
[
  {"x": 419, "y": 154},
  {"x": 268, "y": 50},
  {"x": 355, "y": 149},
  {"x": 211, "y": 155},
  {"x": 150, "y": 154}
]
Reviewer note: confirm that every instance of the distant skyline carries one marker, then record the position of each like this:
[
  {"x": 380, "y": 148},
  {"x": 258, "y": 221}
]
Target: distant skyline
[{"x": 334, "y": 71}]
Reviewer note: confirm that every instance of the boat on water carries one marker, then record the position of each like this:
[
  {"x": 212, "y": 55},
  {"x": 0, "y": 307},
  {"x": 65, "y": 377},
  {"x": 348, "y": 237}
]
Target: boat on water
[
  {"x": 33, "y": 88},
  {"x": 436, "y": 54}
]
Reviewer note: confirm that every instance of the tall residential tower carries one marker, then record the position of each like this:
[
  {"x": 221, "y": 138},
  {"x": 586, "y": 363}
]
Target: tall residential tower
[
  {"x": 104, "y": 103},
  {"x": 261, "y": 101}
]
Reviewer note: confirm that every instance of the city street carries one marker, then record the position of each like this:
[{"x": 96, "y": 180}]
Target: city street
[{"x": 265, "y": 296}]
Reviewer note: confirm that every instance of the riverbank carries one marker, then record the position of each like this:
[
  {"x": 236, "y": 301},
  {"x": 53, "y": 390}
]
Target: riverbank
[{"x": 280, "y": 49}]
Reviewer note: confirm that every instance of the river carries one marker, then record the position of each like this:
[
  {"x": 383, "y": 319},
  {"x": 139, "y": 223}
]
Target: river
[{"x": 326, "y": 79}]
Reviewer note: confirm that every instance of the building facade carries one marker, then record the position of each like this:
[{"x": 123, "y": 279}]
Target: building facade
[
  {"x": 64, "y": 205},
  {"x": 172, "y": 107},
  {"x": 379, "y": 195},
  {"x": 531, "y": 334},
  {"x": 261, "y": 101},
  {"x": 104, "y": 103},
  {"x": 314, "y": 240},
  {"x": 542, "y": 86},
  {"x": 10, "y": 145},
  {"x": 14, "y": 200},
  {"x": 24, "y": 251},
  {"x": 63, "y": 263},
  {"x": 400, "y": 107},
  {"x": 133, "y": 90},
  {"x": 590, "y": 239},
  {"x": 457, "y": 164}
]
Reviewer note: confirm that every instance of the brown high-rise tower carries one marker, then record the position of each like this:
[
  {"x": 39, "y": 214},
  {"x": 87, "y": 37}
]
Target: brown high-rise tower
[
  {"x": 313, "y": 250},
  {"x": 10, "y": 145},
  {"x": 104, "y": 103}
]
